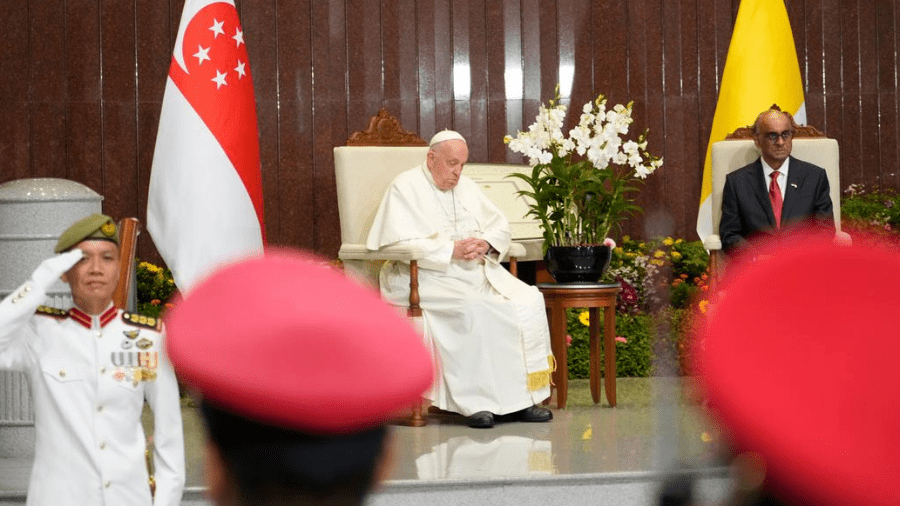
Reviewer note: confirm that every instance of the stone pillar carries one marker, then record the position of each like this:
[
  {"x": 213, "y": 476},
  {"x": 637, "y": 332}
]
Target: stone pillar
[{"x": 33, "y": 214}]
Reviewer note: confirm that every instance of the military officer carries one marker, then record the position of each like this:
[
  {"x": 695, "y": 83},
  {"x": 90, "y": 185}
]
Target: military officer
[
  {"x": 91, "y": 368},
  {"x": 298, "y": 368}
]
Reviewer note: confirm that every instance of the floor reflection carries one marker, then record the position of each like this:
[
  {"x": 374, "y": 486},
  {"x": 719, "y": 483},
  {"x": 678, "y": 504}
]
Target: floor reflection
[
  {"x": 468, "y": 457},
  {"x": 658, "y": 424}
]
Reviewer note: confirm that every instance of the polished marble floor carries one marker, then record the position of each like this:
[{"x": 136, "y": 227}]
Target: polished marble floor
[{"x": 658, "y": 426}]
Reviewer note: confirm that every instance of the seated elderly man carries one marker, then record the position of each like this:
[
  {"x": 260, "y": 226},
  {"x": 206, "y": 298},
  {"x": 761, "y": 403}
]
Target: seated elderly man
[
  {"x": 775, "y": 193},
  {"x": 489, "y": 330}
]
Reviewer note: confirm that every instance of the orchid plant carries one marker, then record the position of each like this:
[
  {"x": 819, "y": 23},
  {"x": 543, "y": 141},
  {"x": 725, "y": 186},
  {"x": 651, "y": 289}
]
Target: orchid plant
[{"x": 582, "y": 185}]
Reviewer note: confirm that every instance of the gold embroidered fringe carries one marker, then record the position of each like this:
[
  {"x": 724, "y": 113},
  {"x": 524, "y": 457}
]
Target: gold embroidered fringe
[{"x": 541, "y": 379}]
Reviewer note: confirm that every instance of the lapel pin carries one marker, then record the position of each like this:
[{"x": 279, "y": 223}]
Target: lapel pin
[{"x": 793, "y": 185}]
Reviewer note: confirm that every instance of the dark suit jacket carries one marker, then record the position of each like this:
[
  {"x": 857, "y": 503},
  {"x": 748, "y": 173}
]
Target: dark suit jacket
[{"x": 747, "y": 211}]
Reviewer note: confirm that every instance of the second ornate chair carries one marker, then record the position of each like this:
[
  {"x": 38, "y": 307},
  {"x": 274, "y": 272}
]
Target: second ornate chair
[{"x": 738, "y": 150}]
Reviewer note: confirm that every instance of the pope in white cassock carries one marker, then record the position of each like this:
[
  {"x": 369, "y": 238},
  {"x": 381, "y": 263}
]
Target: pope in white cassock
[{"x": 489, "y": 330}]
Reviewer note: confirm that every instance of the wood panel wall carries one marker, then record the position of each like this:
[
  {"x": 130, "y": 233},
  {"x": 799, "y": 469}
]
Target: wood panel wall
[{"x": 81, "y": 85}]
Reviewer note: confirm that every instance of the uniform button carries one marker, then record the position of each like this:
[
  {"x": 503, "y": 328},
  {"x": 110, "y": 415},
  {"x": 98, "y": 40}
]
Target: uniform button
[
  {"x": 100, "y": 407},
  {"x": 62, "y": 373},
  {"x": 107, "y": 484},
  {"x": 103, "y": 445},
  {"x": 99, "y": 335},
  {"x": 102, "y": 370}
]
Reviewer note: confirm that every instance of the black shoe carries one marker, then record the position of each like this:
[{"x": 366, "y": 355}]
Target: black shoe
[
  {"x": 481, "y": 420},
  {"x": 534, "y": 414}
]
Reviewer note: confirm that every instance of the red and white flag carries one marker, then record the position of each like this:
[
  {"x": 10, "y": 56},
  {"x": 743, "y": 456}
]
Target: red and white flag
[{"x": 205, "y": 203}]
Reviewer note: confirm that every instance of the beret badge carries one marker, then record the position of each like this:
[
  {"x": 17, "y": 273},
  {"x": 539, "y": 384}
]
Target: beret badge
[{"x": 108, "y": 229}]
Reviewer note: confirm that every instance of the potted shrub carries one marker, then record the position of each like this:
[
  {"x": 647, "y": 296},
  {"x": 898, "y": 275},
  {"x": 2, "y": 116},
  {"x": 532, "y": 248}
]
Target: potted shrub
[{"x": 583, "y": 184}]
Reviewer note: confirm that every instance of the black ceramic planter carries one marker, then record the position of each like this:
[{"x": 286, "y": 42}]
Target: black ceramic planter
[{"x": 577, "y": 264}]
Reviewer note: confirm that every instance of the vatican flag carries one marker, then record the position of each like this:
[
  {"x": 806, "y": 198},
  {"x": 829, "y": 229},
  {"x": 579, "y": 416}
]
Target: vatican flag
[{"x": 761, "y": 69}]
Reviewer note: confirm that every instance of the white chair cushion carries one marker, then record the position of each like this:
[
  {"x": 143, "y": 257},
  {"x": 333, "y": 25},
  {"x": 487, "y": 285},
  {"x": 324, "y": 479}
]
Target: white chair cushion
[{"x": 362, "y": 175}]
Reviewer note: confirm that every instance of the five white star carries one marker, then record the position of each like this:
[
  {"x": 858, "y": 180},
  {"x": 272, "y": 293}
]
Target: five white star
[
  {"x": 202, "y": 54},
  {"x": 219, "y": 79},
  {"x": 216, "y": 28}
]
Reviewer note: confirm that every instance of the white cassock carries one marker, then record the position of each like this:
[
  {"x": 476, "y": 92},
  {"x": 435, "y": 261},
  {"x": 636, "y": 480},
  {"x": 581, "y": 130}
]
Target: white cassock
[{"x": 488, "y": 329}]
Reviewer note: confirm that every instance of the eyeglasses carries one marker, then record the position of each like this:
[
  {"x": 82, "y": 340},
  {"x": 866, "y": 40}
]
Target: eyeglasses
[{"x": 773, "y": 136}]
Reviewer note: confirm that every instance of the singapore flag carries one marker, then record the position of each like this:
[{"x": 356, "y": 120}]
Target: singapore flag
[{"x": 205, "y": 203}]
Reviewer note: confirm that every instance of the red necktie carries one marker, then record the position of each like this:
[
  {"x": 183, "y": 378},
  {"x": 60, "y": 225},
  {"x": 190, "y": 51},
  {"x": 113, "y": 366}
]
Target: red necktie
[{"x": 775, "y": 197}]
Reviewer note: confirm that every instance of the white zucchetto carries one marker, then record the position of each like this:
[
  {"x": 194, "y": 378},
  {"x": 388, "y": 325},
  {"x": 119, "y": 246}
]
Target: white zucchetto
[{"x": 445, "y": 135}]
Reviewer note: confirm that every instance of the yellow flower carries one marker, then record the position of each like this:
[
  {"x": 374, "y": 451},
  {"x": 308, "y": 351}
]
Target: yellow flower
[
  {"x": 676, "y": 255},
  {"x": 659, "y": 254},
  {"x": 657, "y": 262},
  {"x": 679, "y": 241},
  {"x": 668, "y": 241},
  {"x": 703, "y": 305},
  {"x": 585, "y": 318}
]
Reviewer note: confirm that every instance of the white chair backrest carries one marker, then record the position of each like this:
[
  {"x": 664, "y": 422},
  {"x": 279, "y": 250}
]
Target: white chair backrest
[
  {"x": 730, "y": 155},
  {"x": 362, "y": 175}
]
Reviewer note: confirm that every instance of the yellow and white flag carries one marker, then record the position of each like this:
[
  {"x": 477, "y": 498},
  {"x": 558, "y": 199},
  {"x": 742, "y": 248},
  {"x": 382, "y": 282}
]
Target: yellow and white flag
[{"x": 761, "y": 69}]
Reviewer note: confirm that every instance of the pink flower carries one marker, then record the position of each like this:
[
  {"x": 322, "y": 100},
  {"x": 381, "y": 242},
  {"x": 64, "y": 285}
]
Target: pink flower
[
  {"x": 609, "y": 242},
  {"x": 621, "y": 339},
  {"x": 568, "y": 340}
]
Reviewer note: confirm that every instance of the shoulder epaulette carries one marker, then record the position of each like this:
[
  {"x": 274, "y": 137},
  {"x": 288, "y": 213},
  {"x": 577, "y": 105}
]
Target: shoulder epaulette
[
  {"x": 51, "y": 311},
  {"x": 139, "y": 320}
]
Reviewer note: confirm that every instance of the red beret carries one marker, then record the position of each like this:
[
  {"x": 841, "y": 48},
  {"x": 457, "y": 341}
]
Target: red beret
[
  {"x": 287, "y": 341},
  {"x": 798, "y": 359}
]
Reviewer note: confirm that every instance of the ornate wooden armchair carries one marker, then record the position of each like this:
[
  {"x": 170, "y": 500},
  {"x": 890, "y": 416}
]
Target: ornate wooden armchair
[{"x": 738, "y": 149}]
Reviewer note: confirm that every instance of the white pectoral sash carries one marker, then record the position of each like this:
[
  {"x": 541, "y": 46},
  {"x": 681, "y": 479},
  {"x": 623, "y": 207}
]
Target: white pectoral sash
[
  {"x": 539, "y": 361},
  {"x": 500, "y": 279}
]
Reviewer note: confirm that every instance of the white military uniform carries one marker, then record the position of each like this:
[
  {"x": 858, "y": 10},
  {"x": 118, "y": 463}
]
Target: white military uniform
[
  {"x": 89, "y": 377},
  {"x": 488, "y": 329}
]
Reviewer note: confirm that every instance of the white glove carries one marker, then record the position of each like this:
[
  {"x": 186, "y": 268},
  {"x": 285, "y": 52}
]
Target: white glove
[{"x": 52, "y": 268}]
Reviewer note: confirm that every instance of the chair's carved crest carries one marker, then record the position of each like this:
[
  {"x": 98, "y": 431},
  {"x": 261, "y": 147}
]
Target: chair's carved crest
[
  {"x": 385, "y": 130},
  {"x": 802, "y": 131}
]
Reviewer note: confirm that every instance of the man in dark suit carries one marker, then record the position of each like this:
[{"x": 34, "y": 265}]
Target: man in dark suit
[{"x": 776, "y": 192}]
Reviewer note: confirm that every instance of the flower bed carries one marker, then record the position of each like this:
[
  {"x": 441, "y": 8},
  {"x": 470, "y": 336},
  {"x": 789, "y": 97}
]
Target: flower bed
[
  {"x": 155, "y": 287},
  {"x": 664, "y": 283}
]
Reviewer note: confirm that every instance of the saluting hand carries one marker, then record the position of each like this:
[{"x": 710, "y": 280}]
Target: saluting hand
[{"x": 52, "y": 268}]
